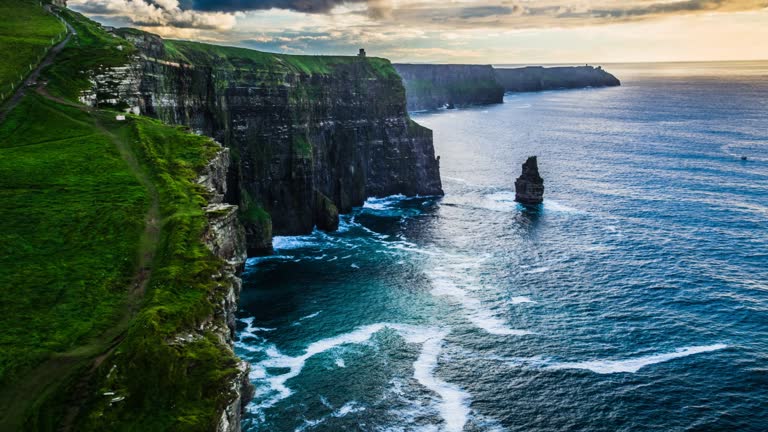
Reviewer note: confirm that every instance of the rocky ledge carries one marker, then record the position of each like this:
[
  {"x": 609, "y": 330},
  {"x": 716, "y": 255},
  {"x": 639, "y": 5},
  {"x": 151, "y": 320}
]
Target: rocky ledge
[{"x": 225, "y": 237}]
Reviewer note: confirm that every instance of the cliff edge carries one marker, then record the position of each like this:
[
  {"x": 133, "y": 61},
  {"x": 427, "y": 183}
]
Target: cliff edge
[
  {"x": 538, "y": 78},
  {"x": 311, "y": 136},
  {"x": 430, "y": 86}
]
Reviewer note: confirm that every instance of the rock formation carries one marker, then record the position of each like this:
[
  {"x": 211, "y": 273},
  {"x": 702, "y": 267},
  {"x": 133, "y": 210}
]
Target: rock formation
[
  {"x": 529, "y": 187},
  {"x": 537, "y": 78},
  {"x": 311, "y": 137},
  {"x": 225, "y": 237},
  {"x": 430, "y": 87}
]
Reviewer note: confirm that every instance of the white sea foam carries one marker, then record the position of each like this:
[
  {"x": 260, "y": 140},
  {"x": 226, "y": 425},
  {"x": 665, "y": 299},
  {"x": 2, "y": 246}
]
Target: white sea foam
[
  {"x": 453, "y": 404},
  {"x": 250, "y": 330},
  {"x": 456, "y": 180},
  {"x": 503, "y": 201},
  {"x": 340, "y": 363},
  {"x": 537, "y": 270},
  {"x": 255, "y": 260},
  {"x": 476, "y": 312},
  {"x": 354, "y": 266},
  {"x": 293, "y": 242},
  {"x": 310, "y": 316},
  {"x": 382, "y": 203},
  {"x": 520, "y": 299},
  {"x": 348, "y": 408},
  {"x": 634, "y": 365},
  {"x": 558, "y": 207}
]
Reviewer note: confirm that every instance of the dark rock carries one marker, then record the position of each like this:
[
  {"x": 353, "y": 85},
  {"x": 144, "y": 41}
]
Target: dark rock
[
  {"x": 529, "y": 187},
  {"x": 327, "y": 214},
  {"x": 430, "y": 87},
  {"x": 537, "y": 78}
]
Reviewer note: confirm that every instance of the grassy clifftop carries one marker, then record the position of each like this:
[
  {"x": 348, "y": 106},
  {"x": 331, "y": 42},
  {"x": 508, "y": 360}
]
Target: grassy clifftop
[
  {"x": 26, "y": 33},
  {"x": 235, "y": 58},
  {"x": 103, "y": 264}
]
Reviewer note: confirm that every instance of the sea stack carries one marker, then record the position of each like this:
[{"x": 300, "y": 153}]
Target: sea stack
[{"x": 529, "y": 187}]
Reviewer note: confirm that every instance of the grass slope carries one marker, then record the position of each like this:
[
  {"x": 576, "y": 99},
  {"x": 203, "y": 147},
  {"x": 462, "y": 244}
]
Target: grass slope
[
  {"x": 74, "y": 191},
  {"x": 89, "y": 50},
  {"x": 26, "y": 33},
  {"x": 169, "y": 385},
  {"x": 72, "y": 218}
]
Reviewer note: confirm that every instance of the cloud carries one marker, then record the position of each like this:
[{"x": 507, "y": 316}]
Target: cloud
[
  {"x": 305, "y": 6},
  {"x": 156, "y": 13}
]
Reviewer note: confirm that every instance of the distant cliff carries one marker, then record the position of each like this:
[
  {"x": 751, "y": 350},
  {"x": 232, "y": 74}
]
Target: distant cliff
[
  {"x": 431, "y": 87},
  {"x": 537, "y": 78},
  {"x": 435, "y": 86},
  {"x": 311, "y": 136}
]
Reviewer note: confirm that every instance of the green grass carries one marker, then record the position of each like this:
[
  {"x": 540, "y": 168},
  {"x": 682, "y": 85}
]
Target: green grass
[
  {"x": 73, "y": 214},
  {"x": 169, "y": 386},
  {"x": 242, "y": 58},
  {"x": 91, "y": 49},
  {"x": 26, "y": 33},
  {"x": 73, "y": 222},
  {"x": 73, "y": 218}
]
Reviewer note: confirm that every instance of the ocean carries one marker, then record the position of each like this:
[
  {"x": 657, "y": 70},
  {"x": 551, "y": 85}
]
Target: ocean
[{"x": 634, "y": 299}]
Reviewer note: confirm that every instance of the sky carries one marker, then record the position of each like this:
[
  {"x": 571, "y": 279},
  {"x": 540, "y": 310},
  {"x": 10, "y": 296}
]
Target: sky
[{"x": 461, "y": 31}]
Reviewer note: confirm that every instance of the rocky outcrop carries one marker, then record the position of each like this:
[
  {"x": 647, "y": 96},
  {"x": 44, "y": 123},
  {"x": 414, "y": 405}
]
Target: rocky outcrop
[
  {"x": 225, "y": 237},
  {"x": 430, "y": 87},
  {"x": 310, "y": 137},
  {"x": 537, "y": 78},
  {"x": 529, "y": 187}
]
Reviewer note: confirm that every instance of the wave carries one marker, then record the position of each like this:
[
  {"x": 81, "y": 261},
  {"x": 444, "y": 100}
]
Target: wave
[
  {"x": 634, "y": 365},
  {"x": 310, "y": 316},
  {"x": 537, "y": 270},
  {"x": 384, "y": 203},
  {"x": 558, "y": 207},
  {"x": 454, "y": 405},
  {"x": 343, "y": 411},
  {"x": 504, "y": 201},
  {"x": 520, "y": 300},
  {"x": 476, "y": 312},
  {"x": 250, "y": 330},
  {"x": 293, "y": 242},
  {"x": 454, "y": 402},
  {"x": 255, "y": 260}
]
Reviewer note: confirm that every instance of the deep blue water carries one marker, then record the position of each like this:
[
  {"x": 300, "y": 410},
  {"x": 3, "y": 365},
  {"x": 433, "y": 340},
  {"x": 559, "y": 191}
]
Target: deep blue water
[{"x": 634, "y": 299}]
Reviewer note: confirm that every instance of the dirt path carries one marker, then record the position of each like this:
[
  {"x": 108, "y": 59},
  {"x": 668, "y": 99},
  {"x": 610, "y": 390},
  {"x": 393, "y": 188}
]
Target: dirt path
[
  {"x": 32, "y": 77},
  {"x": 84, "y": 359}
]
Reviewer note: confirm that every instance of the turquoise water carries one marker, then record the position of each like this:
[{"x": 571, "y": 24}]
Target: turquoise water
[{"x": 635, "y": 298}]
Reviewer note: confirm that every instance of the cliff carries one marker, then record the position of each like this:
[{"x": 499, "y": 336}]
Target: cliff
[
  {"x": 537, "y": 78},
  {"x": 435, "y": 86},
  {"x": 311, "y": 136}
]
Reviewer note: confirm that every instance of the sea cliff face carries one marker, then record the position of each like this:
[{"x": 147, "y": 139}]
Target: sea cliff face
[
  {"x": 537, "y": 78},
  {"x": 435, "y": 86},
  {"x": 311, "y": 137},
  {"x": 430, "y": 87},
  {"x": 225, "y": 237}
]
